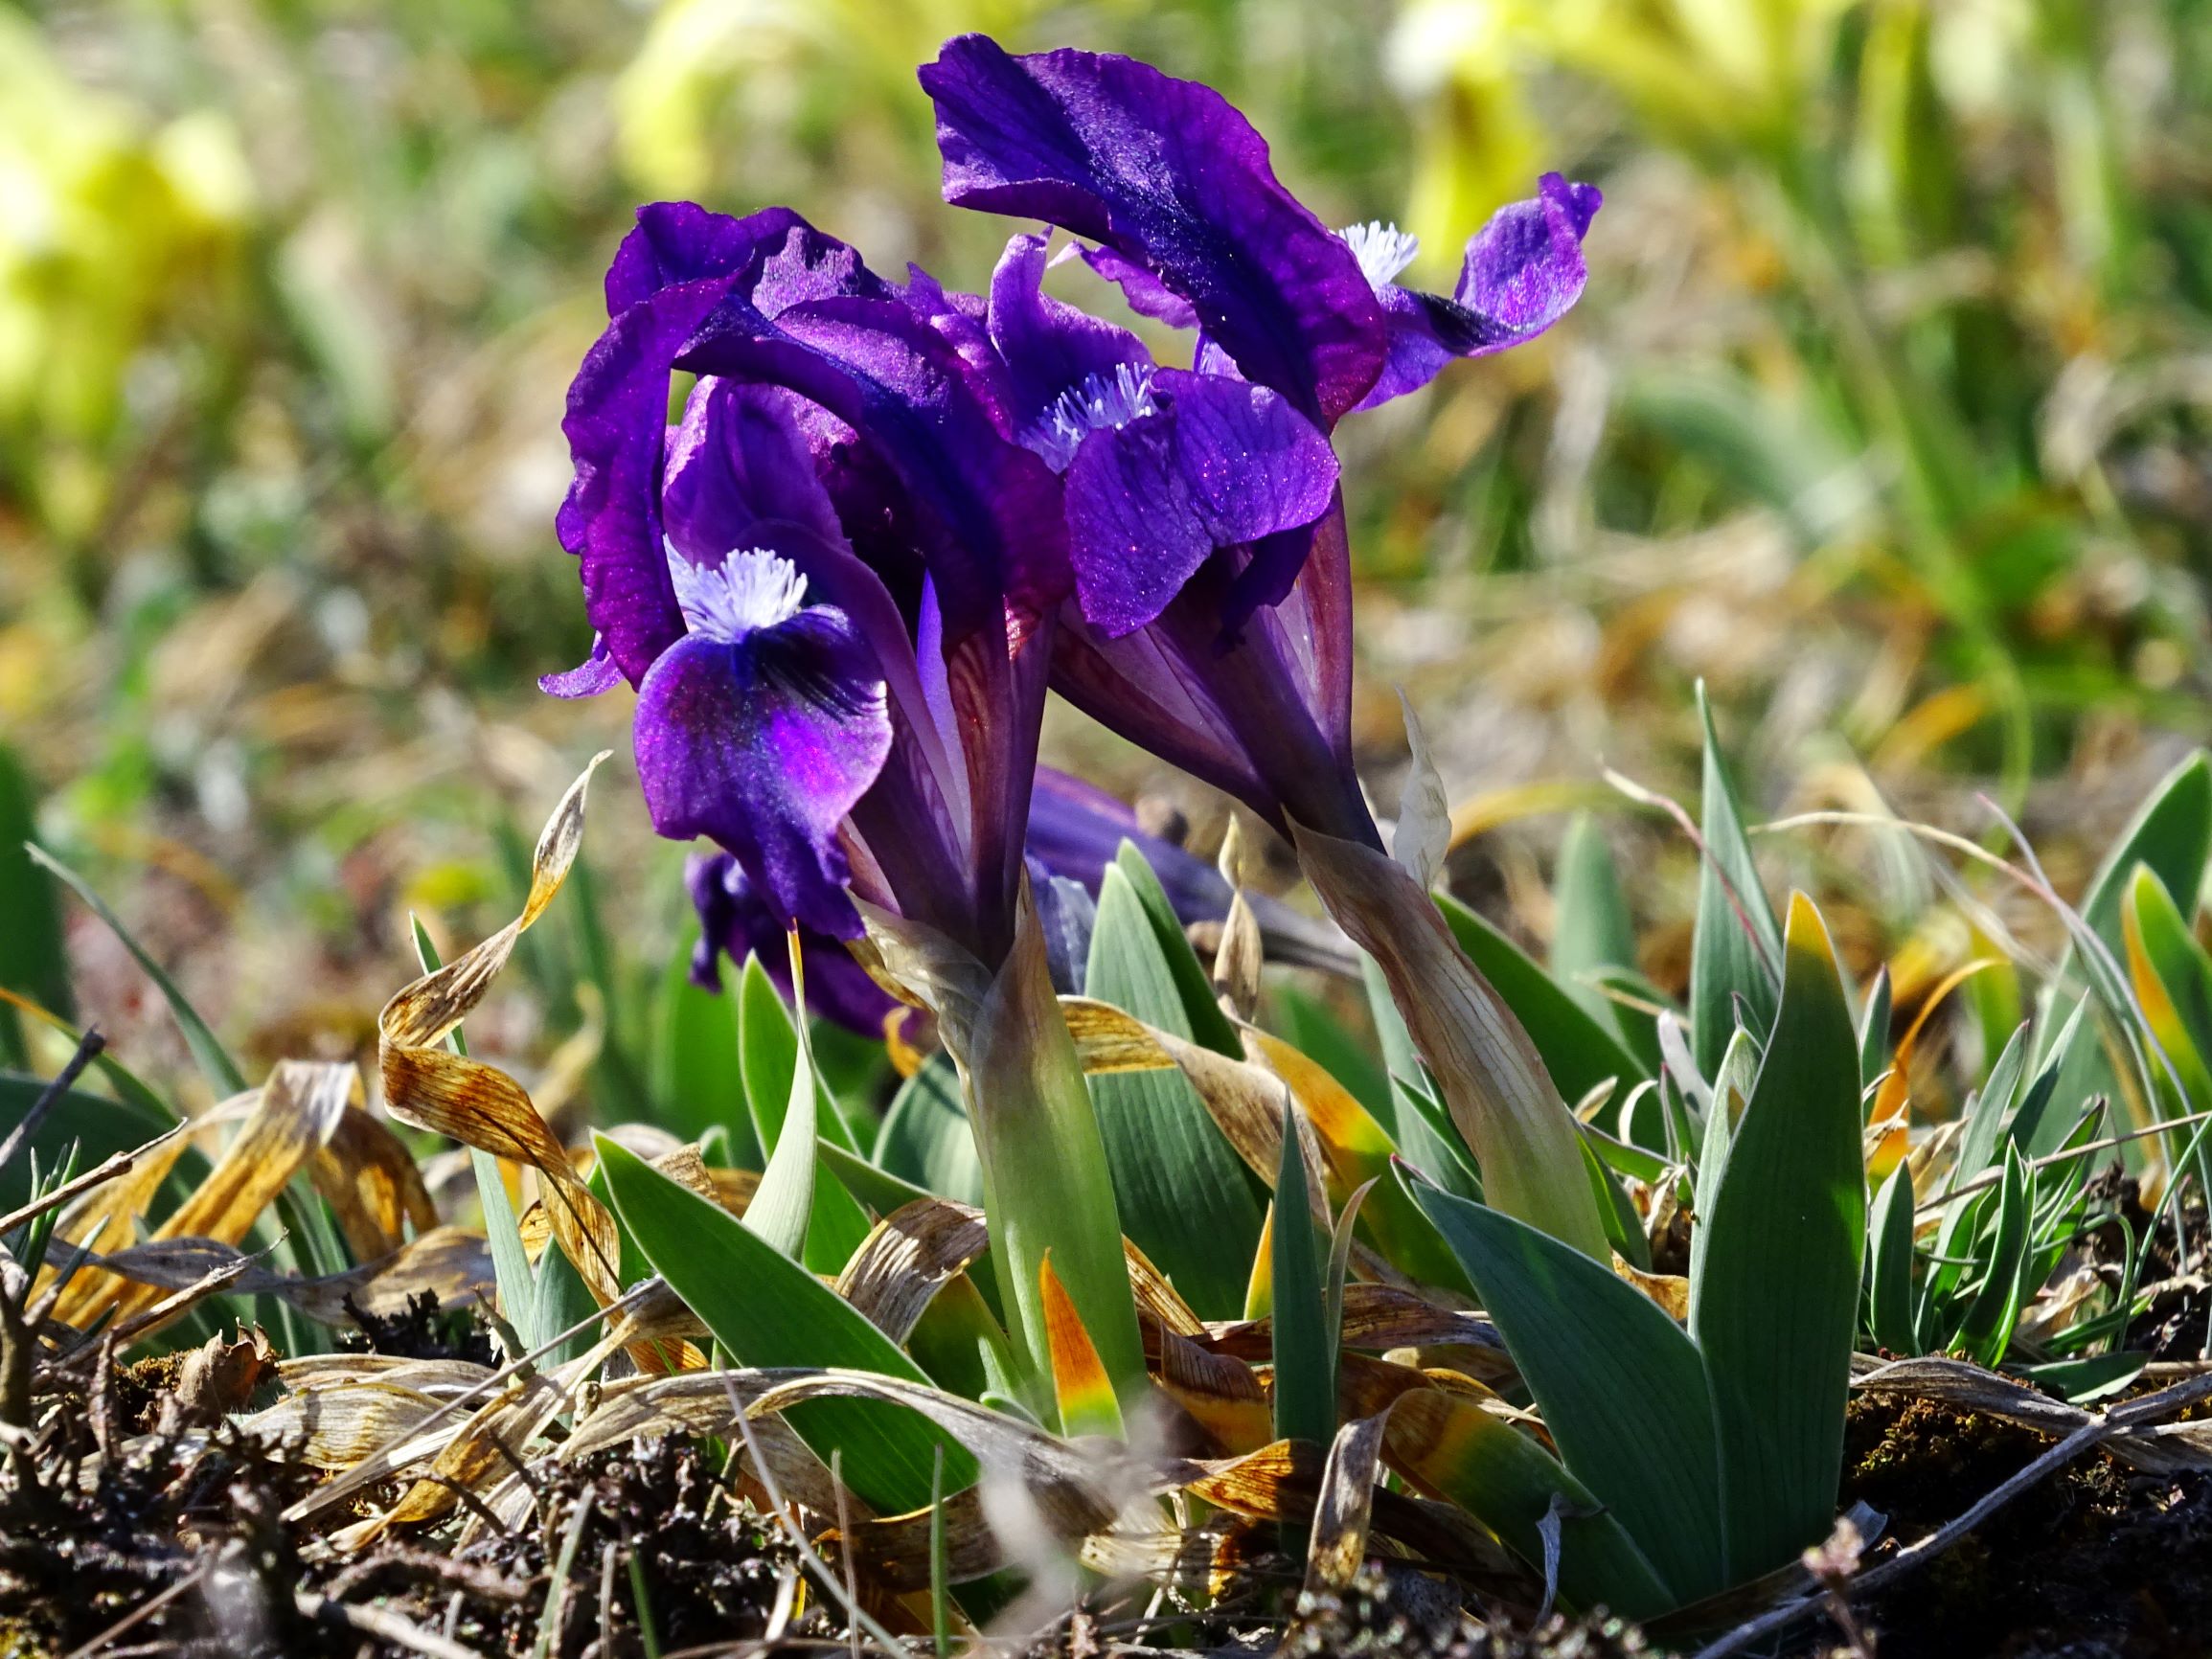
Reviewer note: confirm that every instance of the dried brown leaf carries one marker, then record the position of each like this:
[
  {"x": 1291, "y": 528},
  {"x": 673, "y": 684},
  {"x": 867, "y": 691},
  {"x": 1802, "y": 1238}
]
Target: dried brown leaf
[
  {"x": 908, "y": 1257},
  {"x": 373, "y": 1185},
  {"x": 477, "y": 1104},
  {"x": 294, "y": 1114}
]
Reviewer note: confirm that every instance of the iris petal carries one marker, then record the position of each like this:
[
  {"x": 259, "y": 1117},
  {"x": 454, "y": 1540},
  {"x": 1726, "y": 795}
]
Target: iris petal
[
  {"x": 1147, "y": 295},
  {"x": 1524, "y": 269},
  {"x": 736, "y": 461},
  {"x": 764, "y": 745},
  {"x": 1169, "y": 177},
  {"x": 670, "y": 275},
  {"x": 595, "y": 674},
  {"x": 734, "y": 921},
  {"x": 988, "y": 523},
  {"x": 1219, "y": 462},
  {"x": 1523, "y": 272},
  {"x": 1049, "y": 347}
]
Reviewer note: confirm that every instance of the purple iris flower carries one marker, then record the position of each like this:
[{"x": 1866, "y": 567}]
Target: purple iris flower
[
  {"x": 839, "y": 582},
  {"x": 737, "y": 922},
  {"x": 1231, "y": 659},
  {"x": 834, "y": 582}
]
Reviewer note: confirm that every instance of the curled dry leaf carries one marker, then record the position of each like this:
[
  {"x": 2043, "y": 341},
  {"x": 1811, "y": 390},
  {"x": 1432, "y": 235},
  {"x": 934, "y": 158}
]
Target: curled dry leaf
[
  {"x": 1346, "y": 1504},
  {"x": 339, "y": 1426},
  {"x": 1379, "y": 1317},
  {"x": 1221, "y": 1394},
  {"x": 220, "y": 1377},
  {"x": 1157, "y": 1299},
  {"x": 109, "y": 1213},
  {"x": 452, "y": 1264},
  {"x": 909, "y": 1256},
  {"x": 432, "y": 1088},
  {"x": 373, "y": 1185},
  {"x": 704, "y": 1403},
  {"x": 1079, "y": 1490},
  {"x": 1670, "y": 1291},
  {"x": 925, "y": 968},
  {"x": 294, "y": 1114},
  {"x": 445, "y": 1378},
  {"x": 1239, "y": 953}
]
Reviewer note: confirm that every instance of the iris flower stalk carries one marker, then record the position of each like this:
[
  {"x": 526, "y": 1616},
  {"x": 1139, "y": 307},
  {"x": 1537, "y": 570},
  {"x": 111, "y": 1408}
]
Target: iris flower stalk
[
  {"x": 1211, "y": 620},
  {"x": 834, "y": 585}
]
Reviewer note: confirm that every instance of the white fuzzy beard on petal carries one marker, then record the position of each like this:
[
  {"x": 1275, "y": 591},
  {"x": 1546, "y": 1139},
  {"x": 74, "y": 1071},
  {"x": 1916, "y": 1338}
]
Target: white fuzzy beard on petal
[
  {"x": 1382, "y": 250},
  {"x": 1100, "y": 402},
  {"x": 751, "y": 589}
]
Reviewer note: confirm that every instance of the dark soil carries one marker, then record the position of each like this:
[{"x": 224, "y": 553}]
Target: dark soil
[
  {"x": 421, "y": 1330},
  {"x": 78, "y": 1553},
  {"x": 2099, "y": 1561},
  {"x": 1407, "y": 1615},
  {"x": 711, "y": 1573},
  {"x": 184, "y": 1530}
]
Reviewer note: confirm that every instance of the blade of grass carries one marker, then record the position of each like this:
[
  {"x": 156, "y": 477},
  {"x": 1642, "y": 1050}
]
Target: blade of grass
[
  {"x": 1184, "y": 1194},
  {"x": 34, "y": 961}
]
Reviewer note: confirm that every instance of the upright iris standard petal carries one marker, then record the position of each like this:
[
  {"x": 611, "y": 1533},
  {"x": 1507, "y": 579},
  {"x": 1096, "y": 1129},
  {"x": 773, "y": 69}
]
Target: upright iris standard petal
[
  {"x": 1049, "y": 347},
  {"x": 736, "y": 461},
  {"x": 671, "y": 274},
  {"x": 1147, "y": 295},
  {"x": 761, "y": 729},
  {"x": 1169, "y": 177},
  {"x": 1523, "y": 271},
  {"x": 1211, "y": 463},
  {"x": 735, "y": 921},
  {"x": 983, "y": 508}
]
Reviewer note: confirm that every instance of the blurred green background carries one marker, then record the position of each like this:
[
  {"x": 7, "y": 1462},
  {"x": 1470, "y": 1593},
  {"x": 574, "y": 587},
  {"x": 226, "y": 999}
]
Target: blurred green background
[{"x": 1888, "y": 413}]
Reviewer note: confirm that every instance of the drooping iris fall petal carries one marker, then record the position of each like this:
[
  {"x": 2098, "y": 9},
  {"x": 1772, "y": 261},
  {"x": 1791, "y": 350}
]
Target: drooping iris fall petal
[
  {"x": 1211, "y": 462},
  {"x": 737, "y": 922},
  {"x": 761, "y": 729}
]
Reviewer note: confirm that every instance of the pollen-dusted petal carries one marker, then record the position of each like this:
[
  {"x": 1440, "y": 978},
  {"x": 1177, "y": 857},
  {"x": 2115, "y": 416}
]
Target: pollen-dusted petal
[
  {"x": 1254, "y": 466},
  {"x": 1215, "y": 463},
  {"x": 1134, "y": 535},
  {"x": 1147, "y": 295},
  {"x": 1169, "y": 177},
  {"x": 1524, "y": 269},
  {"x": 763, "y": 746}
]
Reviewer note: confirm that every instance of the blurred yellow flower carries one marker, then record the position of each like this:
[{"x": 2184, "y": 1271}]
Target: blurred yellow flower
[
  {"x": 111, "y": 226},
  {"x": 783, "y": 64}
]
